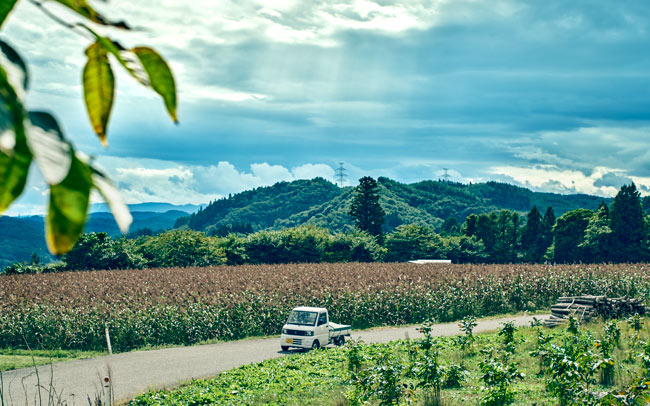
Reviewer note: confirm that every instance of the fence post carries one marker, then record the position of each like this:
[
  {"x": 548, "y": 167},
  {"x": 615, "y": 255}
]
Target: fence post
[
  {"x": 108, "y": 341},
  {"x": 107, "y": 391}
]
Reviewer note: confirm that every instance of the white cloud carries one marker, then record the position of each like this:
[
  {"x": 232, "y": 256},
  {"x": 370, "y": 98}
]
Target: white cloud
[
  {"x": 550, "y": 178},
  {"x": 220, "y": 93},
  {"x": 310, "y": 171},
  {"x": 153, "y": 180}
]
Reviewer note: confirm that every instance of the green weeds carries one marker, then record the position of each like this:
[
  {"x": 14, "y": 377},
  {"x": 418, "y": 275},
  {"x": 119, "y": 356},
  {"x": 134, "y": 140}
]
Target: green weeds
[{"x": 434, "y": 371}]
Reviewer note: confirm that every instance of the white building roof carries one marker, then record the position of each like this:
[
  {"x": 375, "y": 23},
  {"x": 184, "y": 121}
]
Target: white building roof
[
  {"x": 431, "y": 261},
  {"x": 310, "y": 309}
]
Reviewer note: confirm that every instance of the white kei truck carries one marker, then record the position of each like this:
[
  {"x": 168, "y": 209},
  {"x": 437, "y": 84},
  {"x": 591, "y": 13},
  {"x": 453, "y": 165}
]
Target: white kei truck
[{"x": 310, "y": 327}]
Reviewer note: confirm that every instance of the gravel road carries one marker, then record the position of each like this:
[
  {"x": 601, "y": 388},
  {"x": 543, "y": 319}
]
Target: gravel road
[{"x": 136, "y": 372}]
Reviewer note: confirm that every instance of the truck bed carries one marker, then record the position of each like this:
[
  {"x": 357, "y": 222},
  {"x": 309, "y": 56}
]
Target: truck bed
[{"x": 335, "y": 327}]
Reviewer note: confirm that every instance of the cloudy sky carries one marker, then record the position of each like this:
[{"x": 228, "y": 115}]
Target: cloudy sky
[{"x": 552, "y": 95}]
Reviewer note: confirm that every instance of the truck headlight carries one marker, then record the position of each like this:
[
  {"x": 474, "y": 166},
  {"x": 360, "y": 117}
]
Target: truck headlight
[
  {"x": 284, "y": 331},
  {"x": 309, "y": 333}
]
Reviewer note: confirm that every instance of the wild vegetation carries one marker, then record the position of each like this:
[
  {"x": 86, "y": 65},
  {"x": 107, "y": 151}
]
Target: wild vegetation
[
  {"x": 69, "y": 310},
  {"x": 14, "y": 358},
  {"x": 598, "y": 364}
]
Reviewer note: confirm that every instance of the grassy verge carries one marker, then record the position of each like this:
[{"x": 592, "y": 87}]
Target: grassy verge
[
  {"x": 324, "y": 378},
  {"x": 15, "y": 358},
  {"x": 19, "y": 358}
]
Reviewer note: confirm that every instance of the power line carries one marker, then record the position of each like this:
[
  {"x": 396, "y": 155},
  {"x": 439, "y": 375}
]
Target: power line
[{"x": 340, "y": 175}]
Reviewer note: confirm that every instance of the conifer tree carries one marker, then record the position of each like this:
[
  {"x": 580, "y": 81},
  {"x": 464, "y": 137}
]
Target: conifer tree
[
  {"x": 533, "y": 239},
  {"x": 367, "y": 213},
  {"x": 549, "y": 222},
  {"x": 628, "y": 227}
]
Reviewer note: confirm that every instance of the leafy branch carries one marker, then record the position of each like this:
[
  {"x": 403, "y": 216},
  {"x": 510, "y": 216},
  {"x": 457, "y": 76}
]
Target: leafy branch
[{"x": 27, "y": 136}]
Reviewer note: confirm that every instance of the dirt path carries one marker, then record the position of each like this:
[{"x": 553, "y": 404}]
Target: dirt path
[{"x": 135, "y": 372}]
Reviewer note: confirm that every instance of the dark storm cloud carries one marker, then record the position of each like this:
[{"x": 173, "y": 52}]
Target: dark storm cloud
[{"x": 613, "y": 179}]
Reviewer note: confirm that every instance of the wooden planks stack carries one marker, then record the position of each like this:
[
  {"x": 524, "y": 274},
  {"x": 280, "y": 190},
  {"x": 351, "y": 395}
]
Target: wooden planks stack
[{"x": 587, "y": 306}]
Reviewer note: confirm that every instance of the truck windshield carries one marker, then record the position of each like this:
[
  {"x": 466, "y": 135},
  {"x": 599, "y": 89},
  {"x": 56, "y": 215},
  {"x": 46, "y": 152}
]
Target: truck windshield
[{"x": 302, "y": 318}]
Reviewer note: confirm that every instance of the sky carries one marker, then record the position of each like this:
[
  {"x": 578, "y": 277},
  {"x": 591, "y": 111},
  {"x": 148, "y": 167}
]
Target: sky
[{"x": 550, "y": 95}]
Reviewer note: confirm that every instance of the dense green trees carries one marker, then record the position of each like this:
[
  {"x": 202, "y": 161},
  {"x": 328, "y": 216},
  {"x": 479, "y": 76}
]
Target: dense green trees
[
  {"x": 310, "y": 244},
  {"x": 300, "y": 244},
  {"x": 100, "y": 251},
  {"x": 549, "y": 222},
  {"x": 499, "y": 232},
  {"x": 413, "y": 241},
  {"x": 262, "y": 207},
  {"x": 597, "y": 241},
  {"x": 323, "y": 204},
  {"x": 355, "y": 246},
  {"x": 629, "y": 237},
  {"x": 536, "y": 236},
  {"x": 616, "y": 234},
  {"x": 569, "y": 234},
  {"x": 619, "y": 234},
  {"x": 366, "y": 212},
  {"x": 181, "y": 248}
]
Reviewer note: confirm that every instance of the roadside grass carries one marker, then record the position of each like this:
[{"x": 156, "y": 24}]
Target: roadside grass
[
  {"x": 322, "y": 378},
  {"x": 398, "y": 326},
  {"x": 11, "y": 358},
  {"x": 20, "y": 358}
]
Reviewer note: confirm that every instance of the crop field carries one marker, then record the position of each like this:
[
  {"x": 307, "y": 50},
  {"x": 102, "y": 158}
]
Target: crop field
[
  {"x": 190, "y": 305},
  {"x": 599, "y": 364}
]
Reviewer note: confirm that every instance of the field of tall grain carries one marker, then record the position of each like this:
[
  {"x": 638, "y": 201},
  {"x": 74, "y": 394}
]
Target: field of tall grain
[{"x": 189, "y": 305}]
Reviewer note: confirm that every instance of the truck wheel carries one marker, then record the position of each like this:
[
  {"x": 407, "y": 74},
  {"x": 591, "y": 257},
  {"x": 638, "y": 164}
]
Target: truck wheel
[
  {"x": 284, "y": 348},
  {"x": 315, "y": 345},
  {"x": 340, "y": 340}
]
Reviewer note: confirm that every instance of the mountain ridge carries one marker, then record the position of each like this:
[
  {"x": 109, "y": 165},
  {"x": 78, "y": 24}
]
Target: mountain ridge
[
  {"x": 155, "y": 207},
  {"x": 321, "y": 203}
]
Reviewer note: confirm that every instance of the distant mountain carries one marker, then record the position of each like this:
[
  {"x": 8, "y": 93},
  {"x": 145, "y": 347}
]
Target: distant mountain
[
  {"x": 22, "y": 236},
  {"x": 321, "y": 203},
  {"x": 263, "y": 206},
  {"x": 155, "y": 207},
  {"x": 98, "y": 222}
]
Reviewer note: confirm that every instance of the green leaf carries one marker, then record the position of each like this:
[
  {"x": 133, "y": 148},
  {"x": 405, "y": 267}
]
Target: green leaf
[
  {"x": 15, "y": 69},
  {"x": 5, "y": 9},
  {"x": 160, "y": 77},
  {"x": 15, "y": 156},
  {"x": 112, "y": 196},
  {"x": 68, "y": 208},
  {"x": 71, "y": 177},
  {"x": 147, "y": 67},
  {"x": 84, "y": 9},
  {"x": 52, "y": 153},
  {"x": 99, "y": 86}
]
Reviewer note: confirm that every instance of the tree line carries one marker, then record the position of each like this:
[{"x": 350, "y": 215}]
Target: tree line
[{"x": 614, "y": 233}]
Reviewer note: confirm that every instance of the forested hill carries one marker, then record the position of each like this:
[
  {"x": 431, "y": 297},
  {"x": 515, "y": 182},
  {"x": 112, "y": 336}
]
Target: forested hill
[
  {"x": 23, "y": 236},
  {"x": 322, "y": 203}
]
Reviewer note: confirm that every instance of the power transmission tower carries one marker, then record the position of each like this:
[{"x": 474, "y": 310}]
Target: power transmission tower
[
  {"x": 340, "y": 175},
  {"x": 446, "y": 176}
]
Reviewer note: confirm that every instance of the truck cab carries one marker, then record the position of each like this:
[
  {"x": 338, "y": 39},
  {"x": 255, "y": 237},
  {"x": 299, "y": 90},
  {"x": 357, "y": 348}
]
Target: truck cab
[{"x": 310, "y": 327}]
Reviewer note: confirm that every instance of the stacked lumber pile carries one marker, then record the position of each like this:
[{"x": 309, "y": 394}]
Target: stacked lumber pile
[{"x": 587, "y": 307}]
